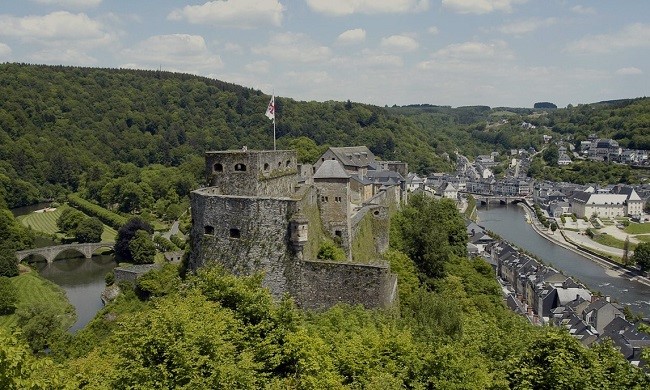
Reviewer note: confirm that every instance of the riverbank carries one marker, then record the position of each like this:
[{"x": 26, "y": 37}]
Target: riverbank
[
  {"x": 34, "y": 289},
  {"x": 560, "y": 240}
]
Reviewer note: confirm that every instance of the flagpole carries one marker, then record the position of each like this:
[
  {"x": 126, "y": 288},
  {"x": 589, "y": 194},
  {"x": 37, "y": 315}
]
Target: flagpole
[{"x": 273, "y": 119}]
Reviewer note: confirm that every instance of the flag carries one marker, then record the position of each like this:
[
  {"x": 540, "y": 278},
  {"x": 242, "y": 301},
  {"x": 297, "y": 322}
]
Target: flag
[{"x": 270, "y": 110}]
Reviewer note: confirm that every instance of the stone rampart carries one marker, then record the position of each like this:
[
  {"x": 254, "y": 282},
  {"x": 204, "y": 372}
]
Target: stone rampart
[{"x": 324, "y": 284}]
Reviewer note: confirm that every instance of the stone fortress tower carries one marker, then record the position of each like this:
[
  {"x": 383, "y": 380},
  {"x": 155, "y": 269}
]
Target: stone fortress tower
[{"x": 258, "y": 214}]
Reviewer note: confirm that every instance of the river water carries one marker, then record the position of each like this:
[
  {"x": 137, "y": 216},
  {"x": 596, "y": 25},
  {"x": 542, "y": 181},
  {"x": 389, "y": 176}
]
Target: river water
[
  {"x": 509, "y": 223},
  {"x": 83, "y": 280}
]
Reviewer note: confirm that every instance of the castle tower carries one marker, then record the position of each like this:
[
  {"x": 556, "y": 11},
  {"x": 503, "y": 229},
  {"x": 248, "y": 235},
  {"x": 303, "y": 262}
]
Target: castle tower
[
  {"x": 252, "y": 172},
  {"x": 333, "y": 185}
]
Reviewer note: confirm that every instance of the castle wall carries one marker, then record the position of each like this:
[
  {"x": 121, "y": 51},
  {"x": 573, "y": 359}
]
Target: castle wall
[
  {"x": 324, "y": 284},
  {"x": 370, "y": 227},
  {"x": 245, "y": 235}
]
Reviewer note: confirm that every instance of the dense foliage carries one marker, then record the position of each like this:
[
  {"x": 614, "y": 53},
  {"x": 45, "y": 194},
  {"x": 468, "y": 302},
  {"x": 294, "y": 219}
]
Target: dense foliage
[
  {"x": 641, "y": 255},
  {"x": 127, "y": 233}
]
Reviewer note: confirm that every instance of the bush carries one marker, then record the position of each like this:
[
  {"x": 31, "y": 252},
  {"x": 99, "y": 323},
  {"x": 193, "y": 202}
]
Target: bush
[
  {"x": 8, "y": 263},
  {"x": 8, "y": 296},
  {"x": 110, "y": 278},
  {"x": 329, "y": 251},
  {"x": 178, "y": 241},
  {"x": 163, "y": 244}
]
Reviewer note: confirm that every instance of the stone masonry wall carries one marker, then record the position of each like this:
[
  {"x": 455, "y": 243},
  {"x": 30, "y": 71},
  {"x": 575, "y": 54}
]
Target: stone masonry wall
[
  {"x": 245, "y": 235},
  {"x": 324, "y": 284},
  {"x": 252, "y": 173}
]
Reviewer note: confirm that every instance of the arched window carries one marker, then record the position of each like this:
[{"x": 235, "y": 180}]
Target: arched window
[
  {"x": 234, "y": 233},
  {"x": 240, "y": 167},
  {"x": 208, "y": 229},
  {"x": 266, "y": 166},
  {"x": 218, "y": 167},
  {"x": 288, "y": 163}
]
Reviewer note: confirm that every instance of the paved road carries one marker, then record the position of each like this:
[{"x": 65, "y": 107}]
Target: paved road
[{"x": 172, "y": 230}]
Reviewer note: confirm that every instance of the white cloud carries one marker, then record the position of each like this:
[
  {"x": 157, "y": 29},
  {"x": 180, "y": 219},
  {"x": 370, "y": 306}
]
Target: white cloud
[
  {"x": 350, "y": 37},
  {"x": 630, "y": 71},
  {"x": 70, "y": 3},
  {"x": 233, "y": 48},
  {"x": 293, "y": 47},
  {"x": 631, "y": 36},
  {"x": 5, "y": 50},
  {"x": 399, "y": 42},
  {"x": 582, "y": 10},
  {"x": 475, "y": 51},
  {"x": 349, "y": 7},
  {"x": 68, "y": 56},
  {"x": 433, "y": 30},
  {"x": 526, "y": 26},
  {"x": 57, "y": 27},
  {"x": 368, "y": 59},
  {"x": 232, "y": 13},
  {"x": 480, "y": 6},
  {"x": 189, "y": 52},
  {"x": 258, "y": 67}
]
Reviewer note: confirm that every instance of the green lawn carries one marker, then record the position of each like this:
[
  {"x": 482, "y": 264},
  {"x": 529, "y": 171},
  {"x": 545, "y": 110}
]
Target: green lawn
[
  {"x": 609, "y": 240},
  {"x": 46, "y": 222},
  {"x": 643, "y": 238},
  {"x": 638, "y": 228},
  {"x": 33, "y": 288}
]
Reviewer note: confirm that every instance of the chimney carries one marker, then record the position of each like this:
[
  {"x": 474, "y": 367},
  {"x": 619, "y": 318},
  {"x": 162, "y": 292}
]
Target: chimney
[{"x": 608, "y": 298}]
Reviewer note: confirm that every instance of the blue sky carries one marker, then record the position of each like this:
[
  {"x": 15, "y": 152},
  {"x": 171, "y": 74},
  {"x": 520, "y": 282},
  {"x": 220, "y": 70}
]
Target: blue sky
[{"x": 383, "y": 52}]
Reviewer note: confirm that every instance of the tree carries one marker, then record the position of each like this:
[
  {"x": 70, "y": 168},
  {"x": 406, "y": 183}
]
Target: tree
[
  {"x": 551, "y": 155},
  {"x": 642, "y": 255},
  {"x": 142, "y": 248},
  {"x": 41, "y": 325},
  {"x": 69, "y": 220},
  {"x": 126, "y": 233},
  {"x": 553, "y": 227},
  {"x": 8, "y": 296},
  {"x": 626, "y": 251},
  {"x": 8, "y": 263},
  {"x": 89, "y": 230}
]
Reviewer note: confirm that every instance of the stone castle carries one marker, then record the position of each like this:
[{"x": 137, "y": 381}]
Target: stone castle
[{"x": 262, "y": 211}]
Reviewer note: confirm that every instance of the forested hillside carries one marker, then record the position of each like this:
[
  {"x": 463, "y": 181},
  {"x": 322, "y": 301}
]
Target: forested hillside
[{"x": 66, "y": 129}]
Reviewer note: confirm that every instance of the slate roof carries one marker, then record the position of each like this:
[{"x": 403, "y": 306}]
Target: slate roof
[
  {"x": 356, "y": 156},
  {"x": 331, "y": 169}
]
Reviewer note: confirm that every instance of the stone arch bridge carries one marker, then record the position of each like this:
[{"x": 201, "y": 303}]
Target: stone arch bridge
[{"x": 51, "y": 252}]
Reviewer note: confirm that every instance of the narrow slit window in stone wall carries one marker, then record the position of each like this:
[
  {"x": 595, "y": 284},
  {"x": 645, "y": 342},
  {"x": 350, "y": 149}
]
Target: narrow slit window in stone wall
[
  {"x": 240, "y": 167},
  {"x": 234, "y": 233},
  {"x": 218, "y": 167},
  {"x": 208, "y": 229},
  {"x": 266, "y": 166}
]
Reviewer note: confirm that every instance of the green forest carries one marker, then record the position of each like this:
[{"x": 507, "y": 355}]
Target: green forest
[{"x": 115, "y": 144}]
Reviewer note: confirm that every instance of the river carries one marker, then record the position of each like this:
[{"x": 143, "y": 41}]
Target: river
[
  {"x": 83, "y": 280},
  {"x": 510, "y": 224}
]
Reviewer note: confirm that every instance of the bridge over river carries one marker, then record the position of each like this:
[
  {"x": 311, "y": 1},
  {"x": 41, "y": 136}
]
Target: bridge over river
[{"x": 51, "y": 252}]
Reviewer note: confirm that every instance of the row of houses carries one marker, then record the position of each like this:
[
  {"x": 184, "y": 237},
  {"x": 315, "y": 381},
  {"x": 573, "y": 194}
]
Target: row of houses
[
  {"x": 547, "y": 297},
  {"x": 606, "y": 149},
  {"x": 443, "y": 182}
]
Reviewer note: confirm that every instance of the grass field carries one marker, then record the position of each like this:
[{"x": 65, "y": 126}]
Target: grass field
[
  {"x": 638, "y": 228},
  {"x": 608, "y": 240},
  {"x": 32, "y": 288},
  {"x": 45, "y": 222}
]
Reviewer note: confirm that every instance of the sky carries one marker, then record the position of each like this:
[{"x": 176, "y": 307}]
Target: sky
[{"x": 383, "y": 52}]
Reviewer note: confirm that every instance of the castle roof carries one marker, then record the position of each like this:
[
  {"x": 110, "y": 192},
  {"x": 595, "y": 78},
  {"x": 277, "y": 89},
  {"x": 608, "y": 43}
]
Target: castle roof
[
  {"x": 331, "y": 169},
  {"x": 356, "y": 156}
]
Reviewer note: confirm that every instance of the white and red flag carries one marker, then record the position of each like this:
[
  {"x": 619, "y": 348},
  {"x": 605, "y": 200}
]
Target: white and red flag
[{"x": 270, "y": 110}]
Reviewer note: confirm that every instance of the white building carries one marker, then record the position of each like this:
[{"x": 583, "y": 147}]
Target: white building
[{"x": 621, "y": 202}]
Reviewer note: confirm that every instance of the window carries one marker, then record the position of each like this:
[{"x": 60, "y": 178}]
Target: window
[
  {"x": 208, "y": 229},
  {"x": 266, "y": 166},
  {"x": 324, "y": 199},
  {"x": 234, "y": 233},
  {"x": 337, "y": 199},
  {"x": 288, "y": 163},
  {"x": 218, "y": 167},
  {"x": 338, "y": 233},
  {"x": 240, "y": 167}
]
